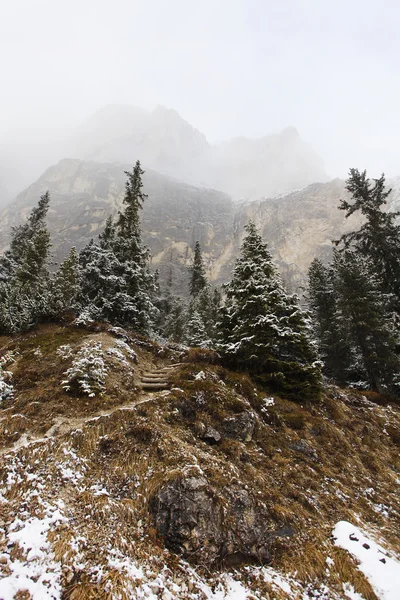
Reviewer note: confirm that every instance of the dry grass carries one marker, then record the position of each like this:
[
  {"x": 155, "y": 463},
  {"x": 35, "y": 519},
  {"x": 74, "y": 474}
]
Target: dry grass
[{"x": 310, "y": 466}]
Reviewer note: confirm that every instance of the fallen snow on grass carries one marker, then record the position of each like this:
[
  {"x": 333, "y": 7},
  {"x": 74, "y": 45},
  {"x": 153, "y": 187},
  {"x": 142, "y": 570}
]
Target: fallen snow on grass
[
  {"x": 37, "y": 572},
  {"x": 381, "y": 570}
]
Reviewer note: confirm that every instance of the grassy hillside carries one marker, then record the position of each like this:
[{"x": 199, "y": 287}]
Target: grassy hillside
[{"x": 209, "y": 489}]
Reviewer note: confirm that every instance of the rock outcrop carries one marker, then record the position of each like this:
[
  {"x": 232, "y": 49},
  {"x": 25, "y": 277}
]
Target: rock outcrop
[{"x": 206, "y": 524}]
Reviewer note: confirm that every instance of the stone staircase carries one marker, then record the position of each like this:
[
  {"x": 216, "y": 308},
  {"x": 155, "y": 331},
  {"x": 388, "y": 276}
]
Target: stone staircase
[{"x": 158, "y": 379}]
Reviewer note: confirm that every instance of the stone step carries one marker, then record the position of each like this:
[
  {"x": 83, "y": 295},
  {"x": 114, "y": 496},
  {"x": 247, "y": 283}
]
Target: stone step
[
  {"x": 153, "y": 379},
  {"x": 156, "y": 373},
  {"x": 154, "y": 386}
]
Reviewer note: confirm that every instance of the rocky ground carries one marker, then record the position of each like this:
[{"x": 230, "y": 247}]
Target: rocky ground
[{"x": 206, "y": 488}]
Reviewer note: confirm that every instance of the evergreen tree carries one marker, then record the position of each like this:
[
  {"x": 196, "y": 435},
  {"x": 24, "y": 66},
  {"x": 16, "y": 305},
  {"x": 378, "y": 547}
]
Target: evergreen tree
[
  {"x": 65, "y": 285},
  {"x": 99, "y": 269},
  {"x": 196, "y": 333},
  {"x": 332, "y": 339},
  {"x": 29, "y": 246},
  {"x": 263, "y": 328},
  {"x": 378, "y": 239},
  {"x": 24, "y": 291},
  {"x": 360, "y": 312},
  {"x": 198, "y": 279},
  {"x": 176, "y": 320},
  {"x": 117, "y": 285}
]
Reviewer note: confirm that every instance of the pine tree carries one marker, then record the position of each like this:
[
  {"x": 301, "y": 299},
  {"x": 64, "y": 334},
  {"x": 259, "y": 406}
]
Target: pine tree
[
  {"x": 65, "y": 285},
  {"x": 99, "y": 267},
  {"x": 196, "y": 333},
  {"x": 360, "y": 312},
  {"x": 176, "y": 321},
  {"x": 332, "y": 339},
  {"x": 29, "y": 246},
  {"x": 117, "y": 285},
  {"x": 198, "y": 279},
  {"x": 24, "y": 291},
  {"x": 378, "y": 239},
  {"x": 263, "y": 329}
]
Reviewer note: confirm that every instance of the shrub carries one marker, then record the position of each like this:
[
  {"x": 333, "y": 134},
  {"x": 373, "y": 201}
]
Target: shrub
[
  {"x": 88, "y": 371},
  {"x": 202, "y": 355},
  {"x": 6, "y": 389}
]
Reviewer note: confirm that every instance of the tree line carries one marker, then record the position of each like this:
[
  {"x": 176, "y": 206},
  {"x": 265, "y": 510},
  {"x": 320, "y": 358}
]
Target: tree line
[{"x": 252, "y": 320}]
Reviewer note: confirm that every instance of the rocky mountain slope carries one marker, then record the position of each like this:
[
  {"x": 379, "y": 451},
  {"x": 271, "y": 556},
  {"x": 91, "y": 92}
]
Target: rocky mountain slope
[
  {"x": 174, "y": 216},
  {"x": 210, "y": 489},
  {"x": 297, "y": 226}
]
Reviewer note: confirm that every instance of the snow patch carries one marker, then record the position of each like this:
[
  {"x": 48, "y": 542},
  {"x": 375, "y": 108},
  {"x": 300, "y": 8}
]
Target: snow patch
[
  {"x": 38, "y": 572},
  {"x": 381, "y": 570}
]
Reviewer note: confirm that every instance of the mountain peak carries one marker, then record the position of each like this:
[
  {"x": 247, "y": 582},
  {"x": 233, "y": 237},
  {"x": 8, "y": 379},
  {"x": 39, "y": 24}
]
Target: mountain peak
[{"x": 290, "y": 132}]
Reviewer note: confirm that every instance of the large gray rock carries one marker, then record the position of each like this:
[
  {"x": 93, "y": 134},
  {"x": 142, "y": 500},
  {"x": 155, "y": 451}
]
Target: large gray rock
[
  {"x": 240, "y": 427},
  {"x": 206, "y": 527}
]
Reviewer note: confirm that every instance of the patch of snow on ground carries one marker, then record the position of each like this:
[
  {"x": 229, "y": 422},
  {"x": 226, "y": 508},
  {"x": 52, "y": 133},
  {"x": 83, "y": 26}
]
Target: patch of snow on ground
[
  {"x": 351, "y": 593},
  {"x": 381, "y": 570},
  {"x": 276, "y": 579},
  {"x": 37, "y": 572}
]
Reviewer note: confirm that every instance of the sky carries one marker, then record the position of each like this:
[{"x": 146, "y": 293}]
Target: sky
[{"x": 229, "y": 67}]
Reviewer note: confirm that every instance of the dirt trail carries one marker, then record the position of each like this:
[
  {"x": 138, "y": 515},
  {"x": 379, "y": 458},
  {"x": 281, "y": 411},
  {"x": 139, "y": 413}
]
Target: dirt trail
[{"x": 63, "y": 425}]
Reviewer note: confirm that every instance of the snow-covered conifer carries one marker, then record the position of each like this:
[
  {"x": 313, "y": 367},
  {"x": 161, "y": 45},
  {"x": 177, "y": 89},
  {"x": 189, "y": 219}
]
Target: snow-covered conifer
[
  {"x": 115, "y": 278},
  {"x": 332, "y": 338},
  {"x": 378, "y": 239},
  {"x": 24, "y": 293},
  {"x": 65, "y": 285},
  {"x": 195, "y": 331},
  {"x": 263, "y": 329}
]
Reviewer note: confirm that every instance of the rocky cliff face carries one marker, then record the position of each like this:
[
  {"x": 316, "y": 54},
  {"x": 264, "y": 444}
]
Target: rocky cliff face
[
  {"x": 175, "y": 215},
  {"x": 297, "y": 227}
]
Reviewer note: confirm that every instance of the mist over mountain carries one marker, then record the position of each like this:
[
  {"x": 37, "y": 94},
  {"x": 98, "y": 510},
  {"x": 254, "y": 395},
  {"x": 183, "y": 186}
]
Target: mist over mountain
[{"x": 242, "y": 167}]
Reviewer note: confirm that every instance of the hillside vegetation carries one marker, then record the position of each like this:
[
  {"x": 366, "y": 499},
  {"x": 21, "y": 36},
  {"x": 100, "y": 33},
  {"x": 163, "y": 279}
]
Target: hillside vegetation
[{"x": 213, "y": 488}]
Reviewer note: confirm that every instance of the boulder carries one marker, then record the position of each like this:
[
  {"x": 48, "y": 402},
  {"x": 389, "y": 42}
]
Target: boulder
[
  {"x": 240, "y": 427},
  {"x": 305, "y": 448},
  {"x": 207, "y": 433},
  {"x": 205, "y": 527}
]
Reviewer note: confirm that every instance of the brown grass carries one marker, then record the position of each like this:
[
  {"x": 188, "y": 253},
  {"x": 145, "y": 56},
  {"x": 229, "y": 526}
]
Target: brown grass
[{"x": 132, "y": 453}]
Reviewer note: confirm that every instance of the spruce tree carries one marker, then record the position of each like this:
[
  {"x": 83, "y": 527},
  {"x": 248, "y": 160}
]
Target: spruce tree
[
  {"x": 65, "y": 285},
  {"x": 176, "y": 320},
  {"x": 360, "y": 312},
  {"x": 332, "y": 339},
  {"x": 263, "y": 329},
  {"x": 195, "y": 331},
  {"x": 24, "y": 274},
  {"x": 198, "y": 279},
  {"x": 99, "y": 280},
  {"x": 378, "y": 239},
  {"x": 117, "y": 285},
  {"x": 29, "y": 245}
]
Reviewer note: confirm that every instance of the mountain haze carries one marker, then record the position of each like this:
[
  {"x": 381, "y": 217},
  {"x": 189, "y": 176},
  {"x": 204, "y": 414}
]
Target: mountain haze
[{"x": 165, "y": 142}]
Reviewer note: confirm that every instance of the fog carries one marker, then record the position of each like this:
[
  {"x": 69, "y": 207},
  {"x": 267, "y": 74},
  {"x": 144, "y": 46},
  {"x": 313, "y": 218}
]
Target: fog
[{"x": 229, "y": 67}]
